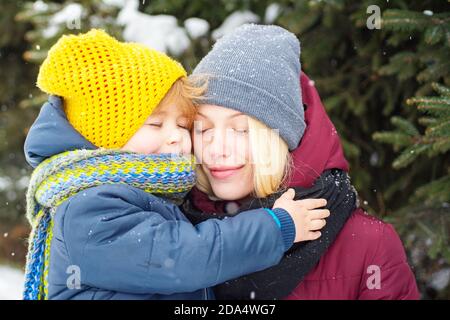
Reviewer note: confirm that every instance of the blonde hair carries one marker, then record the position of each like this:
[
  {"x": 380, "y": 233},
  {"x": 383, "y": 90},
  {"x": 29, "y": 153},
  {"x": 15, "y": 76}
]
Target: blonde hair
[
  {"x": 185, "y": 93},
  {"x": 270, "y": 158}
]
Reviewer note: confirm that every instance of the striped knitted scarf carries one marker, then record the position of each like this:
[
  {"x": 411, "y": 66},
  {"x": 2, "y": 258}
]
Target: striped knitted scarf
[{"x": 62, "y": 176}]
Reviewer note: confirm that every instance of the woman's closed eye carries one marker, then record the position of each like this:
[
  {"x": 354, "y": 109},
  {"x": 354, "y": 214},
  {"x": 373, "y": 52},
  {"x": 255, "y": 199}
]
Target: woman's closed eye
[
  {"x": 201, "y": 124},
  {"x": 241, "y": 130},
  {"x": 201, "y": 129}
]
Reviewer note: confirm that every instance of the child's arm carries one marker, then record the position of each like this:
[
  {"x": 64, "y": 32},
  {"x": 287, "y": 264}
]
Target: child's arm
[
  {"x": 51, "y": 134},
  {"x": 125, "y": 240}
]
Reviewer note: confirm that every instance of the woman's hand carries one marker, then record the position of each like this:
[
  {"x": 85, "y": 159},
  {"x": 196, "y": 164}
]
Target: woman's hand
[{"x": 307, "y": 218}]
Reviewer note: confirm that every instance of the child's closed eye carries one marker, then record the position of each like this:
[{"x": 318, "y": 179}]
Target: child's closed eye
[
  {"x": 184, "y": 124},
  {"x": 154, "y": 124}
]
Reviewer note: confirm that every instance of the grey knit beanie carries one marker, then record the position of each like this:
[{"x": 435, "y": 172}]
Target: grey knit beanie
[{"x": 256, "y": 70}]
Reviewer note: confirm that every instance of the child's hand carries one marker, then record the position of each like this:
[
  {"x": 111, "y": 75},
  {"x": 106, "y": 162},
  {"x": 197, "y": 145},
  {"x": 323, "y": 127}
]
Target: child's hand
[{"x": 307, "y": 218}]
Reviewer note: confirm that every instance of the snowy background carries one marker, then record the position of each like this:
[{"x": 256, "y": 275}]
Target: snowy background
[
  {"x": 11, "y": 283},
  {"x": 364, "y": 78}
]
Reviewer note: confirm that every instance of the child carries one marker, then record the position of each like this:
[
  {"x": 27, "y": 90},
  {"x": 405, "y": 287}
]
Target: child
[{"x": 103, "y": 227}]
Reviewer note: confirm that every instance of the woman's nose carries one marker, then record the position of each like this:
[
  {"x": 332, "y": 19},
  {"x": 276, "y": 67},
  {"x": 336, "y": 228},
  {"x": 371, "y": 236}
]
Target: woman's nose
[{"x": 220, "y": 145}]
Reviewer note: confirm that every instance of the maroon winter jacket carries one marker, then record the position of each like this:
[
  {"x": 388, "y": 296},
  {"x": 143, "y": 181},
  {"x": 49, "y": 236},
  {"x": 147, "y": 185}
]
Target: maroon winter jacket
[{"x": 367, "y": 259}]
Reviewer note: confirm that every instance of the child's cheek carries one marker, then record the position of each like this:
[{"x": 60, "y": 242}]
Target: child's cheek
[
  {"x": 187, "y": 144},
  {"x": 145, "y": 141}
]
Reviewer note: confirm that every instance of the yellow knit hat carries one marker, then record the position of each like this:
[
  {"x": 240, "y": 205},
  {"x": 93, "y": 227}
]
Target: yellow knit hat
[{"x": 109, "y": 88}]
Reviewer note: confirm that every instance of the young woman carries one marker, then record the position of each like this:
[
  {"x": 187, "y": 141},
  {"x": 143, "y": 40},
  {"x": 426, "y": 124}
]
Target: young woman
[{"x": 253, "y": 90}]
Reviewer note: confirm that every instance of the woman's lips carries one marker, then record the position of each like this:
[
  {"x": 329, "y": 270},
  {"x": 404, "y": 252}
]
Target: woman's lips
[{"x": 223, "y": 172}]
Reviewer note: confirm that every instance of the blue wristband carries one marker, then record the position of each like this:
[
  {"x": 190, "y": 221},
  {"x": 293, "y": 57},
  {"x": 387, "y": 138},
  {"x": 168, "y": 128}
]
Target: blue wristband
[{"x": 274, "y": 216}]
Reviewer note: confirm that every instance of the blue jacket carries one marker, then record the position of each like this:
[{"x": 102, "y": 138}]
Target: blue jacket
[{"x": 129, "y": 244}]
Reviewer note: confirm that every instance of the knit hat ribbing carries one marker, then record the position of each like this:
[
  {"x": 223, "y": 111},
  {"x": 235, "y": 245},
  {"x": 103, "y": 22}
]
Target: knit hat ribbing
[
  {"x": 109, "y": 88},
  {"x": 256, "y": 70}
]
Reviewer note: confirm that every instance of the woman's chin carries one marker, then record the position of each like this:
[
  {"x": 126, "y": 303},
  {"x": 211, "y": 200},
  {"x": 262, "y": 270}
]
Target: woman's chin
[
  {"x": 231, "y": 186},
  {"x": 229, "y": 193}
]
